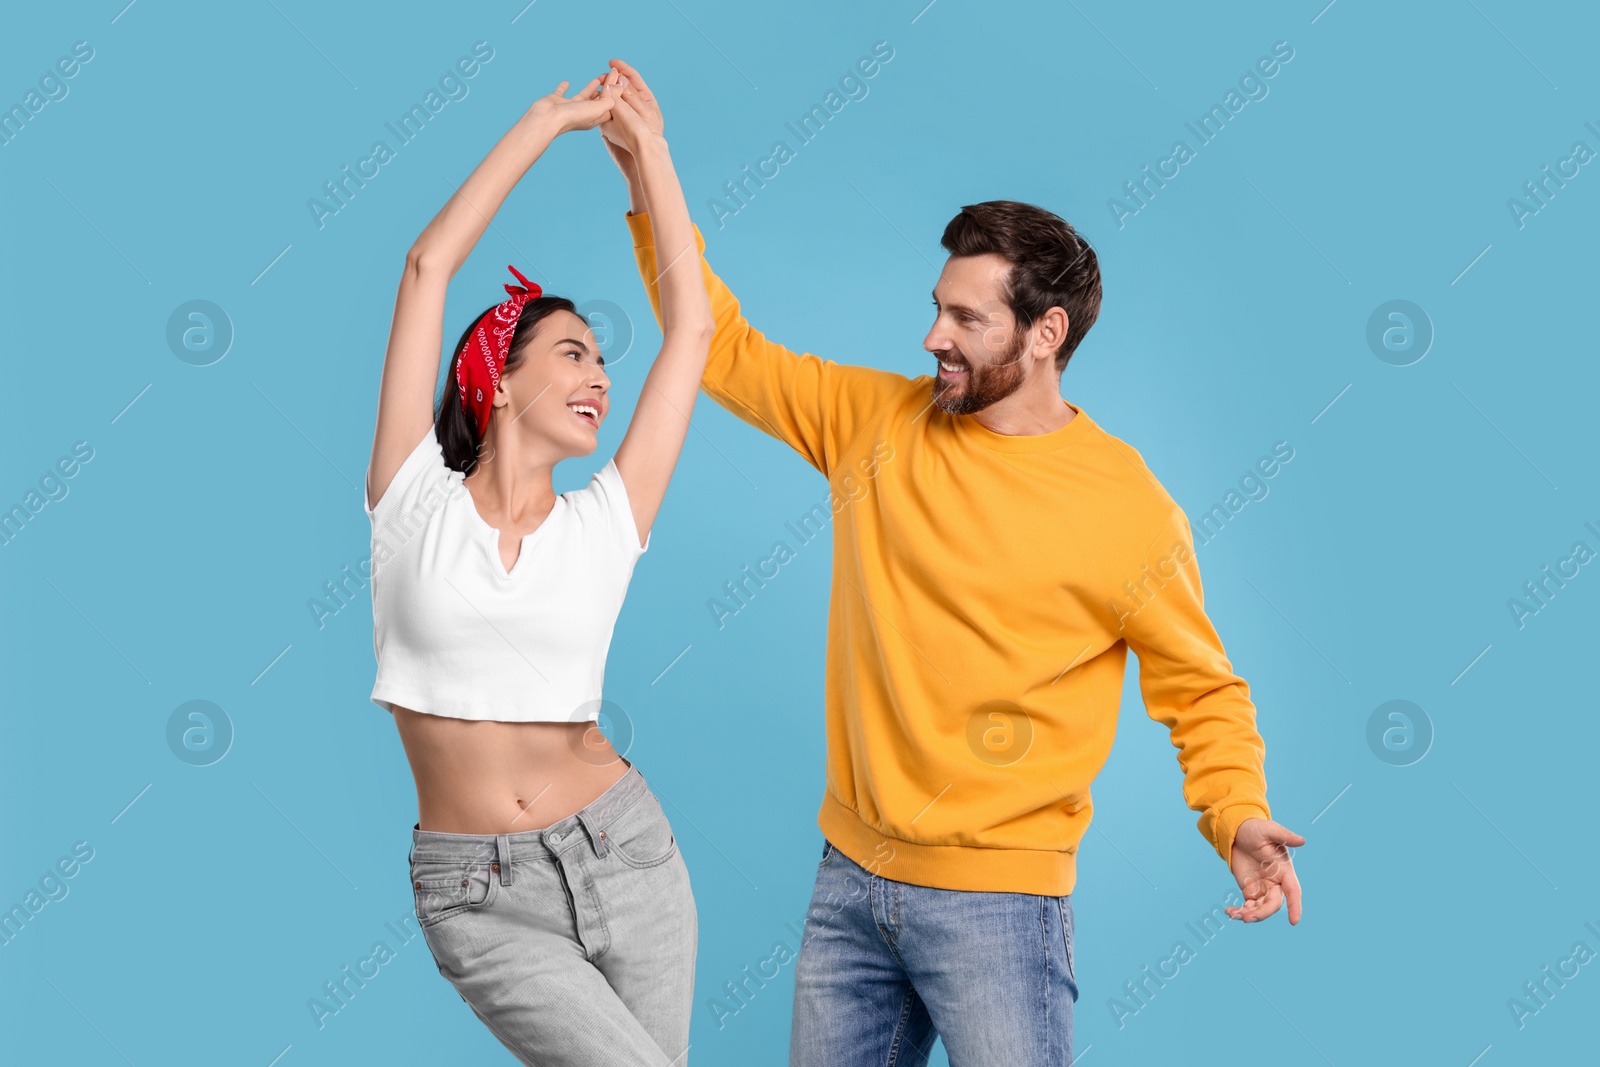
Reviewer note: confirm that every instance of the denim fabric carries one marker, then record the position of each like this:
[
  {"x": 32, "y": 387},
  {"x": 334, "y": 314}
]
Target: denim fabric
[
  {"x": 886, "y": 965},
  {"x": 575, "y": 944}
]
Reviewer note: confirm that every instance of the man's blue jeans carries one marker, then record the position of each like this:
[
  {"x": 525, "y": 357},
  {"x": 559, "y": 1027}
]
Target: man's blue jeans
[{"x": 885, "y": 966}]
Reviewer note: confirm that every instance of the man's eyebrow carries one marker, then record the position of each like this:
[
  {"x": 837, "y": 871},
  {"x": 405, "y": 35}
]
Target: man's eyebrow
[{"x": 950, "y": 307}]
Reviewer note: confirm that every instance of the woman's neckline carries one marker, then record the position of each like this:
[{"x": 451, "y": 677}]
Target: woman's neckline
[{"x": 494, "y": 533}]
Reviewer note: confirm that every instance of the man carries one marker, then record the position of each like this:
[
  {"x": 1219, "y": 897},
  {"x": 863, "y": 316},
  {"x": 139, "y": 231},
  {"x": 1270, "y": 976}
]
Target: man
[{"x": 1001, "y": 558}]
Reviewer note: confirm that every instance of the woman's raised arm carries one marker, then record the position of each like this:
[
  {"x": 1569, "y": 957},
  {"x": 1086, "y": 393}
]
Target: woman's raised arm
[
  {"x": 416, "y": 334},
  {"x": 649, "y": 450}
]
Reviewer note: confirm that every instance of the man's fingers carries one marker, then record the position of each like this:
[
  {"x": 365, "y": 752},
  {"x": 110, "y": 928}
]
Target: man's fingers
[
  {"x": 621, "y": 107},
  {"x": 1257, "y": 908},
  {"x": 1265, "y": 895},
  {"x": 1273, "y": 902},
  {"x": 1285, "y": 836},
  {"x": 641, "y": 98},
  {"x": 1291, "y": 891},
  {"x": 635, "y": 78}
]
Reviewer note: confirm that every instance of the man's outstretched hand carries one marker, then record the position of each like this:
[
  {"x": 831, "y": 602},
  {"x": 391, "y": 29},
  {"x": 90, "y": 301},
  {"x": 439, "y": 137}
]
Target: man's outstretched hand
[{"x": 1264, "y": 870}]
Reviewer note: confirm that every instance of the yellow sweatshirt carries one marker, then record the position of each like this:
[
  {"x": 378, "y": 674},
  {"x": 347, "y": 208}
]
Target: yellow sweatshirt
[{"x": 986, "y": 590}]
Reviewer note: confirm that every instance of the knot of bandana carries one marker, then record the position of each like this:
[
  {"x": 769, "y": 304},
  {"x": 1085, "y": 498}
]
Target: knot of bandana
[{"x": 478, "y": 371}]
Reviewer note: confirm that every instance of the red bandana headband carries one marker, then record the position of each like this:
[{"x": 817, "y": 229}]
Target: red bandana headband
[{"x": 478, "y": 372}]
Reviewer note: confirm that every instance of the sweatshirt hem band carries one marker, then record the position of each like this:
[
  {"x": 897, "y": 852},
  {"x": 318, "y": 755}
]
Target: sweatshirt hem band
[{"x": 966, "y": 867}]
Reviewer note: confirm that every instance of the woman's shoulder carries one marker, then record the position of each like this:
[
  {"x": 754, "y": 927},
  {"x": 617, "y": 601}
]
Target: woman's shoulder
[
  {"x": 422, "y": 469},
  {"x": 603, "y": 503}
]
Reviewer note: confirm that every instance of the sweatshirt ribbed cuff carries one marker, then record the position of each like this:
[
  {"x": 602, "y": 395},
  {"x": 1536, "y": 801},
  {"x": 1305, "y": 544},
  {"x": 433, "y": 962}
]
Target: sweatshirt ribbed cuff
[
  {"x": 644, "y": 236},
  {"x": 1226, "y": 826}
]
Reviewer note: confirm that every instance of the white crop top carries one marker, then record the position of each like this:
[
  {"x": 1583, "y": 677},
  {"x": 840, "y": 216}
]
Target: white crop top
[{"x": 455, "y": 634}]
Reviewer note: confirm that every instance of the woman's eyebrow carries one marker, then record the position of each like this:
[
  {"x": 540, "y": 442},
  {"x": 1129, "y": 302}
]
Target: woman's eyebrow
[{"x": 599, "y": 359}]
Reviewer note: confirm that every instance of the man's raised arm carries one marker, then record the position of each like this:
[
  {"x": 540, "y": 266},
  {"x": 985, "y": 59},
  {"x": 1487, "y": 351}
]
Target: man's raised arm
[{"x": 813, "y": 404}]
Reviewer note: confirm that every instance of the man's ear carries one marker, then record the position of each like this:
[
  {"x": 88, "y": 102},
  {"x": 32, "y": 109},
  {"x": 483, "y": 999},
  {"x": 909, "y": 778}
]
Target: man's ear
[{"x": 1052, "y": 331}]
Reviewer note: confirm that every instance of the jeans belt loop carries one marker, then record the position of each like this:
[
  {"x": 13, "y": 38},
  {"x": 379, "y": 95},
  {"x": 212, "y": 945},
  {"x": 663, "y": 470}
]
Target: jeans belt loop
[
  {"x": 502, "y": 848},
  {"x": 597, "y": 836}
]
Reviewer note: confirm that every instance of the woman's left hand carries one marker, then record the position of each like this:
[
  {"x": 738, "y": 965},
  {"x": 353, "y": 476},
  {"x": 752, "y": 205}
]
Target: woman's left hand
[{"x": 585, "y": 111}]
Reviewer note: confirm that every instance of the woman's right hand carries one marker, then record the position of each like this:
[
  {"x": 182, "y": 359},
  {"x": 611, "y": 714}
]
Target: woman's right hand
[{"x": 582, "y": 112}]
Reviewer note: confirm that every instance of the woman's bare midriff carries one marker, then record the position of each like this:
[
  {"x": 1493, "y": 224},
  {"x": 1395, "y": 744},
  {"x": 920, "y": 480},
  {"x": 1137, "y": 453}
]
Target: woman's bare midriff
[{"x": 484, "y": 777}]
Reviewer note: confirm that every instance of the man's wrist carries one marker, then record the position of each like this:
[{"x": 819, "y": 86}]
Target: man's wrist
[
  {"x": 1228, "y": 822},
  {"x": 636, "y": 201}
]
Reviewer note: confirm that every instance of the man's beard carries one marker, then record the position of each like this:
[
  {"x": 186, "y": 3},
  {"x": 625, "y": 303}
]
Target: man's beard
[{"x": 986, "y": 383}]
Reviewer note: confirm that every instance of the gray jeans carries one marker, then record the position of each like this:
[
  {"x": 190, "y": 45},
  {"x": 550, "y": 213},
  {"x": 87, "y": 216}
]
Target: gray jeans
[{"x": 575, "y": 944}]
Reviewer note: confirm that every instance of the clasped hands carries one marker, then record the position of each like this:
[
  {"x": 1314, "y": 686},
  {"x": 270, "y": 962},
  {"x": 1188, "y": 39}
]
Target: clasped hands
[{"x": 618, "y": 102}]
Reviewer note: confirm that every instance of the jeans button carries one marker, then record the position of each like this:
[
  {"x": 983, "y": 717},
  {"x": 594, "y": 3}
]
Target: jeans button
[{"x": 555, "y": 838}]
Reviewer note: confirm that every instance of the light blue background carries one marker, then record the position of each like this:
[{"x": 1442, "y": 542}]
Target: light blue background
[{"x": 221, "y": 498}]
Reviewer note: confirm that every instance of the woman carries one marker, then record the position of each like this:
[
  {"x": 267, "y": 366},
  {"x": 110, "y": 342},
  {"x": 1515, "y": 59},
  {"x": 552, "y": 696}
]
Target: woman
[{"x": 547, "y": 880}]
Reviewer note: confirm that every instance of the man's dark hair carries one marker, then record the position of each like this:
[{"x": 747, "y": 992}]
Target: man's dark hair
[{"x": 1051, "y": 266}]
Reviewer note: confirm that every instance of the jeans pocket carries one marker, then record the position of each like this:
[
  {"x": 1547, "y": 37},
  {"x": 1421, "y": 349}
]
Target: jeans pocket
[
  {"x": 1065, "y": 906},
  {"x": 446, "y": 888},
  {"x": 827, "y": 853},
  {"x": 641, "y": 836}
]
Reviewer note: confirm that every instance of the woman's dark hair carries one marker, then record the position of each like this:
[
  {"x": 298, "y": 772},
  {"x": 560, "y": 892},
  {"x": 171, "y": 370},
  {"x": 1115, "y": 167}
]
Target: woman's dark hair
[
  {"x": 458, "y": 434},
  {"x": 1051, "y": 266}
]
